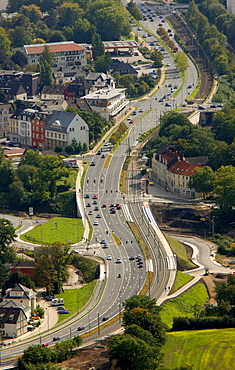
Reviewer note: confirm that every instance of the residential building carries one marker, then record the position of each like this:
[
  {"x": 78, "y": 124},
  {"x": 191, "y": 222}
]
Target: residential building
[
  {"x": 23, "y": 295},
  {"x": 66, "y": 53},
  {"x": 63, "y": 75},
  {"x": 13, "y": 90},
  {"x": 231, "y": 6},
  {"x": 29, "y": 80},
  {"x": 53, "y": 92},
  {"x": 100, "y": 81},
  {"x": 76, "y": 90},
  {"x": 62, "y": 127},
  {"x": 14, "y": 318},
  {"x": 171, "y": 170},
  {"x": 110, "y": 103},
  {"x": 122, "y": 68},
  {"x": 6, "y": 111}
]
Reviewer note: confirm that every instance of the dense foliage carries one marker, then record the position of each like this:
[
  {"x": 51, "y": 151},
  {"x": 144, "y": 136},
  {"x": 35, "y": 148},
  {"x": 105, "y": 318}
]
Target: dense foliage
[{"x": 88, "y": 267}]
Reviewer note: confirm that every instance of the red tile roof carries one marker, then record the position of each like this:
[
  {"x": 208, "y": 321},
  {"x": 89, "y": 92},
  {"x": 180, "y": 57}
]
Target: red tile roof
[
  {"x": 183, "y": 168},
  {"x": 38, "y": 49}
]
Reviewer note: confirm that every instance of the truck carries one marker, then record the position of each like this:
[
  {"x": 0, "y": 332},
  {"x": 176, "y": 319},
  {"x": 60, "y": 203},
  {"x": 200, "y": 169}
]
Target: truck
[
  {"x": 57, "y": 302},
  {"x": 70, "y": 162}
]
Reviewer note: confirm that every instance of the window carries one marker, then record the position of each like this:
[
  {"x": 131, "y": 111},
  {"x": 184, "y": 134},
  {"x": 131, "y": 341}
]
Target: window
[
  {"x": 51, "y": 134},
  {"x": 55, "y": 136}
]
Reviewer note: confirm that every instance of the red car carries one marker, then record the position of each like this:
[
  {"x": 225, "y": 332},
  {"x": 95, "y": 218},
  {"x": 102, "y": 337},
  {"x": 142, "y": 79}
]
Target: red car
[
  {"x": 44, "y": 344},
  {"x": 118, "y": 206},
  {"x": 95, "y": 197},
  {"x": 131, "y": 121}
]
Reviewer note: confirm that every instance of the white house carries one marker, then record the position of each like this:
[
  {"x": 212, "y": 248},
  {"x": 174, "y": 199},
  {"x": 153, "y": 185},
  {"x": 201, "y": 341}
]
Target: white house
[
  {"x": 22, "y": 295},
  {"x": 14, "y": 318},
  {"x": 62, "y": 127}
]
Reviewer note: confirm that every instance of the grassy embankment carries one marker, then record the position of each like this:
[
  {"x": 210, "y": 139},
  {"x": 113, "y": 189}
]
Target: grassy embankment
[
  {"x": 204, "y": 349},
  {"x": 76, "y": 299},
  {"x": 58, "y": 229},
  {"x": 179, "y": 249}
]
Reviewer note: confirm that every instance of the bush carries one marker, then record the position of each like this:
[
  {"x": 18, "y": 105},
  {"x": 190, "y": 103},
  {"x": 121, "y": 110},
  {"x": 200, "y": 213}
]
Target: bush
[
  {"x": 89, "y": 268},
  {"x": 193, "y": 323}
]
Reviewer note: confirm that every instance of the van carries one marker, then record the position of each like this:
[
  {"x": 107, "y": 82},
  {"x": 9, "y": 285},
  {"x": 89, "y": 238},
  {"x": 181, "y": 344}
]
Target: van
[{"x": 57, "y": 301}]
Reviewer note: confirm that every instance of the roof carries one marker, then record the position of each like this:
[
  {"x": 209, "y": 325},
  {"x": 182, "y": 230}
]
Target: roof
[
  {"x": 59, "y": 121},
  {"x": 95, "y": 75},
  {"x": 23, "y": 264},
  {"x": 14, "y": 88},
  {"x": 15, "y": 152},
  {"x": 183, "y": 168},
  {"x": 55, "y": 47},
  {"x": 11, "y": 311},
  {"x": 53, "y": 89},
  {"x": 126, "y": 44},
  {"x": 121, "y": 67},
  {"x": 104, "y": 94},
  {"x": 27, "y": 292}
]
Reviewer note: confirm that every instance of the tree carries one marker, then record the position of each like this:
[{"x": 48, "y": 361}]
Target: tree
[
  {"x": 6, "y": 175},
  {"x": 7, "y": 236},
  {"x": 65, "y": 348},
  {"x": 132, "y": 353},
  {"x": 97, "y": 46},
  {"x": 141, "y": 301},
  {"x": 3, "y": 98},
  {"x": 47, "y": 56},
  {"x": 181, "y": 61},
  {"x": 36, "y": 354},
  {"x": 31, "y": 157},
  {"x": 225, "y": 187},
  {"x": 19, "y": 58},
  {"x": 18, "y": 277},
  {"x": 20, "y": 36},
  {"x": 202, "y": 180},
  {"x": 68, "y": 14},
  {"x": 46, "y": 77},
  {"x": 5, "y": 43},
  {"x": 31, "y": 11},
  {"x": 157, "y": 58},
  {"x": 134, "y": 11},
  {"x": 172, "y": 118}
]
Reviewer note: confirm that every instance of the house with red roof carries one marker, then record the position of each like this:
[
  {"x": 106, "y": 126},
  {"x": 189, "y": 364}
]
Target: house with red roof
[{"x": 171, "y": 170}]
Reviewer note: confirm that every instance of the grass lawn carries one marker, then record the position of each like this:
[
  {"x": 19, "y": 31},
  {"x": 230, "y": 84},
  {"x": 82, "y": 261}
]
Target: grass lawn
[
  {"x": 181, "y": 280},
  {"x": 204, "y": 349},
  {"x": 183, "y": 305},
  {"x": 58, "y": 229},
  {"x": 75, "y": 299},
  {"x": 180, "y": 250}
]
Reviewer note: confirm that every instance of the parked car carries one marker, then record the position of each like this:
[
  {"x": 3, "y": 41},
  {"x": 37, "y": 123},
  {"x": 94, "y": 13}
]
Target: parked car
[
  {"x": 63, "y": 311},
  {"x": 131, "y": 258},
  {"x": 87, "y": 196},
  {"x": 103, "y": 206},
  {"x": 96, "y": 208},
  {"x": 98, "y": 215},
  {"x": 95, "y": 196},
  {"x": 88, "y": 205}
]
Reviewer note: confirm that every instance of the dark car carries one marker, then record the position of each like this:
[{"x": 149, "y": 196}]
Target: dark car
[
  {"x": 55, "y": 339},
  {"x": 213, "y": 106},
  {"x": 88, "y": 205},
  {"x": 105, "y": 318},
  {"x": 49, "y": 297},
  {"x": 80, "y": 328},
  {"x": 112, "y": 211},
  {"x": 92, "y": 164},
  {"x": 103, "y": 206},
  {"x": 131, "y": 258},
  {"x": 87, "y": 196}
]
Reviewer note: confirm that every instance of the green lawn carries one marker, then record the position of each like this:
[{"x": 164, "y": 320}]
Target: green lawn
[
  {"x": 180, "y": 250},
  {"x": 75, "y": 299},
  {"x": 58, "y": 229},
  {"x": 183, "y": 305},
  {"x": 204, "y": 349},
  {"x": 181, "y": 280}
]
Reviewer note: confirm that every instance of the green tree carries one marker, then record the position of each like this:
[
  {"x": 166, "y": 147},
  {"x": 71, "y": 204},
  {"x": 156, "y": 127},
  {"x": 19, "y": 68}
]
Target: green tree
[
  {"x": 69, "y": 13},
  {"x": 102, "y": 63},
  {"x": 46, "y": 77},
  {"x": 21, "y": 35},
  {"x": 97, "y": 46},
  {"x": 202, "y": 180},
  {"x": 32, "y": 12},
  {"x": 65, "y": 348},
  {"x": 7, "y": 236},
  {"x": 19, "y": 58},
  {"x": 18, "y": 277},
  {"x": 5, "y": 43},
  {"x": 31, "y": 158},
  {"x": 36, "y": 354},
  {"x": 157, "y": 58},
  {"x": 134, "y": 10},
  {"x": 132, "y": 353},
  {"x": 181, "y": 61},
  {"x": 225, "y": 187},
  {"x": 3, "y": 98}
]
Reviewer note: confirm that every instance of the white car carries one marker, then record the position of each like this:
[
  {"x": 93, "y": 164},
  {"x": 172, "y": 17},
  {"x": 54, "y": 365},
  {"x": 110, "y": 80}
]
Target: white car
[
  {"x": 118, "y": 260},
  {"x": 141, "y": 110},
  {"x": 96, "y": 223},
  {"x": 109, "y": 257}
]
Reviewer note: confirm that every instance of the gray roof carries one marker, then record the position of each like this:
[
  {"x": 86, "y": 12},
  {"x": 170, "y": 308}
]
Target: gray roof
[
  {"x": 27, "y": 292},
  {"x": 61, "y": 121},
  {"x": 95, "y": 75},
  {"x": 11, "y": 311}
]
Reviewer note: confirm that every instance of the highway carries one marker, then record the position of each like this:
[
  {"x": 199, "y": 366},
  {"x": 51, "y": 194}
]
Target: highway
[{"x": 103, "y": 182}]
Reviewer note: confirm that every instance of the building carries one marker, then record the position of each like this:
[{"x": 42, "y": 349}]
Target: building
[
  {"x": 76, "y": 89},
  {"x": 171, "y": 170},
  {"x": 26, "y": 267},
  {"x": 13, "y": 90},
  {"x": 63, "y": 75},
  {"x": 122, "y": 68},
  {"x": 22, "y": 295},
  {"x": 110, "y": 103},
  {"x": 53, "y": 92},
  {"x": 231, "y": 6},
  {"x": 28, "y": 80},
  {"x": 66, "y": 53},
  {"x": 62, "y": 127},
  {"x": 100, "y": 81},
  {"x": 14, "y": 318},
  {"x": 6, "y": 111}
]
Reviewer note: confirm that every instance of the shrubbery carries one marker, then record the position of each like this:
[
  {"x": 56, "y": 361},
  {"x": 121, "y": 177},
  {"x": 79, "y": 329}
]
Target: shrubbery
[{"x": 193, "y": 323}]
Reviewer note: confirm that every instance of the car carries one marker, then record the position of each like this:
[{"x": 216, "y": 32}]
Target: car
[
  {"x": 201, "y": 107},
  {"x": 3, "y": 344},
  {"x": 129, "y": 118},
  {"x": 162, "y": 48},
  {"x": 131, "y": 121},
  {"x": 60, "y": 308},
  {"x": 90, "y": 212},
  {"x": 98, "y": 215},
  {"x": 118, "y": 260},
  {"x": 99, "y": 152},
  {"x": 213, "y": 106},
  {"x": 96, "y": 223},
  {"x": 103, "y": 241},
  {"x": 88, "y": 205},
  {"x": 49, "y": 297},
  {"x": 94, "y": 196},
  {"x": 45, "y": 344},
  {"x": 106, "y": 144},
  {"x": 189, "y": 86},
  {"x": 118, "y": 206},
  {"x": 140, "y": 262},
  {"x": 111, "y": 205},
  {"x": 160, "y": 100},
  {"x": 131, "y": 258},
  {"x": 112, "y": 211},
  {"x": 87, "y": 196},
  {"x": 144, "y": 36},
  {"x": 149, "y": 35},
  {"x": 139, "y": 29},
  {"x": 92, "y": 163},
  {"x": 145, "y": 19},
  {"x": 140, "y": 266},
  {"x": 190, "y": 102},
  {"x": 138, "y": 68},
  {"x": 167, "y": 105},
  {"x": 103, "y": 156},
  {"x": 160, "y": 16},
  {"x": 96, "y": 208},
  {"x": 220, "y": 105},
  {"x": 134, "y": 113},
  {"x": 119, "y": 275},
  {"x": 176, "y": 87},
  {"x": 105, "y": 246},
  {"x": 55, "y": 339},
  {"x": 151, "y": 20},
  {"x": 105, "y": 318},
  {"x": 170, "y": 34},
  {"x": 63, "y": 312},
  {"x": 163, "y": 20},
  {"x": 103, "y": 206},
  {"x": 109, "y": 257},
  {"x": 169, "y": 30},
  {"x": 170, "y": 85},
  {"x": 168, "y": 64},
  {"x": 159, "y": 25},
  {"x": 136, "y": 54},
  {"x": 95, "y": 201},
  {"x": 80, "y": 328}
]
